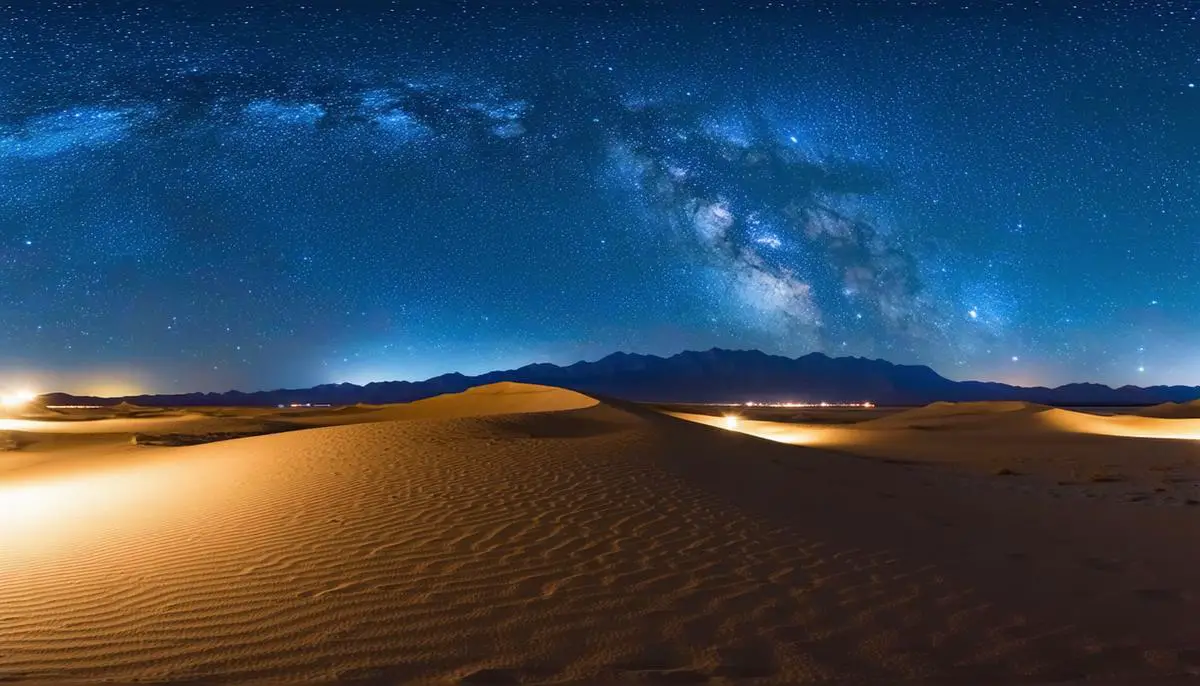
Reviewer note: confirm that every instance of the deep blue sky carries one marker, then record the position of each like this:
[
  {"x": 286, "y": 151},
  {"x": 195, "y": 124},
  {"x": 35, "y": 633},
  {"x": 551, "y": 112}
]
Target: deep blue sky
[{"x": 284, "y": 194}]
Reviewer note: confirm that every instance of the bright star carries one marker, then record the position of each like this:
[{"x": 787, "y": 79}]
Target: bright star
[{"x": 972, "y": 314}]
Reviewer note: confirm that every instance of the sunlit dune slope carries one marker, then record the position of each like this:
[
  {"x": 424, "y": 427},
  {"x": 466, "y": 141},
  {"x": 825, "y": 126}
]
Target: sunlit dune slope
[
  {"x": 589, "y": 544},
  {"x": 498, "y": 398},
  {"x": 1008, "y": 419},
  {"x": 1020, "y": 416},
  {"x": 973, "y": 417}
]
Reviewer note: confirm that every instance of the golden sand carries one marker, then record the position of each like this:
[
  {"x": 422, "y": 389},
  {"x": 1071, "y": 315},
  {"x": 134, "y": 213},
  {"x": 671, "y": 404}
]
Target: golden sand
[{"x": 530, "y": 534}]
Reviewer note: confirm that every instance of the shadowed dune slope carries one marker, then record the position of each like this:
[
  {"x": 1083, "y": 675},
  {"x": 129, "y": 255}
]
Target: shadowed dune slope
[
  {"x": 587, "y": 545},
  {"x": 1189, "y": 410}
]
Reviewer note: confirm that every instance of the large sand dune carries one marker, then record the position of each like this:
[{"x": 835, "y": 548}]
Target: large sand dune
[
  {"x": 1180, "y": 422},
  {"x": 973, "y": 415},
  {"x": 591, "y": 543}
]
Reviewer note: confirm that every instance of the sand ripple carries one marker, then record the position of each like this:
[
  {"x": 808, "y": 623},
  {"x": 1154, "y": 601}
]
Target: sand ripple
[{"x": 592, "y": 544}]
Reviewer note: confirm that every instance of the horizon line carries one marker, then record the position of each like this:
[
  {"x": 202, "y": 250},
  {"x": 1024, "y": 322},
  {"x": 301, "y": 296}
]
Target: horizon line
[{"x": 613, "y": 354}]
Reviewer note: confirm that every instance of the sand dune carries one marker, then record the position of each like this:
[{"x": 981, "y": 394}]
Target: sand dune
[
  {"x": 944, "y": 415},
  {"x": 1125, "y": 425},
  {"x": 1190, "y": 410},
  {"x": 576, "y": 542},
  {"x": 1074, "y": 454},
  {"x": 69, "y": 437},
  {"x": 1013, "y": 416},
  {"x": 498, "y": 398}
]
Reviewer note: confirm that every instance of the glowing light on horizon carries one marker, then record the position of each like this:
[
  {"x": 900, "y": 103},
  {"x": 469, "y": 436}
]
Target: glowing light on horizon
[
  {"x": 866, "y": 405},
  {"x": 1064, "y": 421},
  {"x": 17, "y": 398},
  {"x": 781, "y": 432}
]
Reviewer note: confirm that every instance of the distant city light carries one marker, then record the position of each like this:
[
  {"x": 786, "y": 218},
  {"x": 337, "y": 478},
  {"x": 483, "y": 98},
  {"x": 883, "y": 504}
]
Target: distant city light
[{"x": 752, "y": 403}]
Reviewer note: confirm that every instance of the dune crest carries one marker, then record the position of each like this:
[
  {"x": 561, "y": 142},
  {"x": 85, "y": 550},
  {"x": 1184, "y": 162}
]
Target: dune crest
[
  {"x": 956, "y": 415},
  {"x": 499, "y": 398},
  {"x": 1188, "y": 410}
]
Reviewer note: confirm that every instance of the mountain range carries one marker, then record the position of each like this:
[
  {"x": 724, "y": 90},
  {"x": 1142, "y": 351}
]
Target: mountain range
[{"x": 709, "y": 376}]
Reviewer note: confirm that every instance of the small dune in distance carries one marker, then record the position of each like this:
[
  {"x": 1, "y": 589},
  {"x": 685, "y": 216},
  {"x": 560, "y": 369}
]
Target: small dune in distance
[
  {"x": 518, "y": 533},
  {"x": 1189, "y": 410}
]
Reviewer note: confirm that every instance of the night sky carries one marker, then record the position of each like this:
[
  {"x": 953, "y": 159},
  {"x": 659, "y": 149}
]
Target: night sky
[{"x": 273, "y": 194}]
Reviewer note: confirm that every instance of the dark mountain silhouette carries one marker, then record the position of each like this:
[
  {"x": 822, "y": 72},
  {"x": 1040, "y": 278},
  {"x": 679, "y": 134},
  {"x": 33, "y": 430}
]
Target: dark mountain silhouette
[{"x": 715, "y": 375}]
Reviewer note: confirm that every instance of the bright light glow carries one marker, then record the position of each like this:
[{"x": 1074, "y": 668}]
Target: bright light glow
[
  {"x": 781, "y": 432},
  {"x": 46, "y": 515},
  {"x": 23, "y": 504},
  {"x": 68, "y": 508},
  {"x": 90, "y": 426},
  {"x": 1183, "y": 429},
  {"x": 17, "y": 398},
  {"x": 852, "y": 438},
  {"x": 865, "y": 405}
]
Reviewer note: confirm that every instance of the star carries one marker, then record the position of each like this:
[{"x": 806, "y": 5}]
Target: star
[{"x": 318, "y": 199}]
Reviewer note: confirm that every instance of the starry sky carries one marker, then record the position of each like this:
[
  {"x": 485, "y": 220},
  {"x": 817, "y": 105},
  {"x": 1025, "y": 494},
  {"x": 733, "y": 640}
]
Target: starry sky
[{"x": 215, "y": 195}]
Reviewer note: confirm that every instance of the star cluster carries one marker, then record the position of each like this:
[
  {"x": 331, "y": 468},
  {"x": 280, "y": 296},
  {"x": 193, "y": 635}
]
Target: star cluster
[{"x": 282, "y": 194}]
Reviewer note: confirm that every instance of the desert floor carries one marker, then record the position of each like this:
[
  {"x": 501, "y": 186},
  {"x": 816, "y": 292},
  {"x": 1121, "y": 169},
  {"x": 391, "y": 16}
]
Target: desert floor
[{"x": 524, "y": 534}]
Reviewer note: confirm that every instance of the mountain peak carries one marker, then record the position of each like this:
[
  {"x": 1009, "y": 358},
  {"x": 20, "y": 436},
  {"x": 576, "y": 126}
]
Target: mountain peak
[{"x": 713, "y": 375}]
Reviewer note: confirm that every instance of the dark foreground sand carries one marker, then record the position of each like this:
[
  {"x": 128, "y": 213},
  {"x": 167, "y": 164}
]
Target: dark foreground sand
[{"x": 575, "y": 541}]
